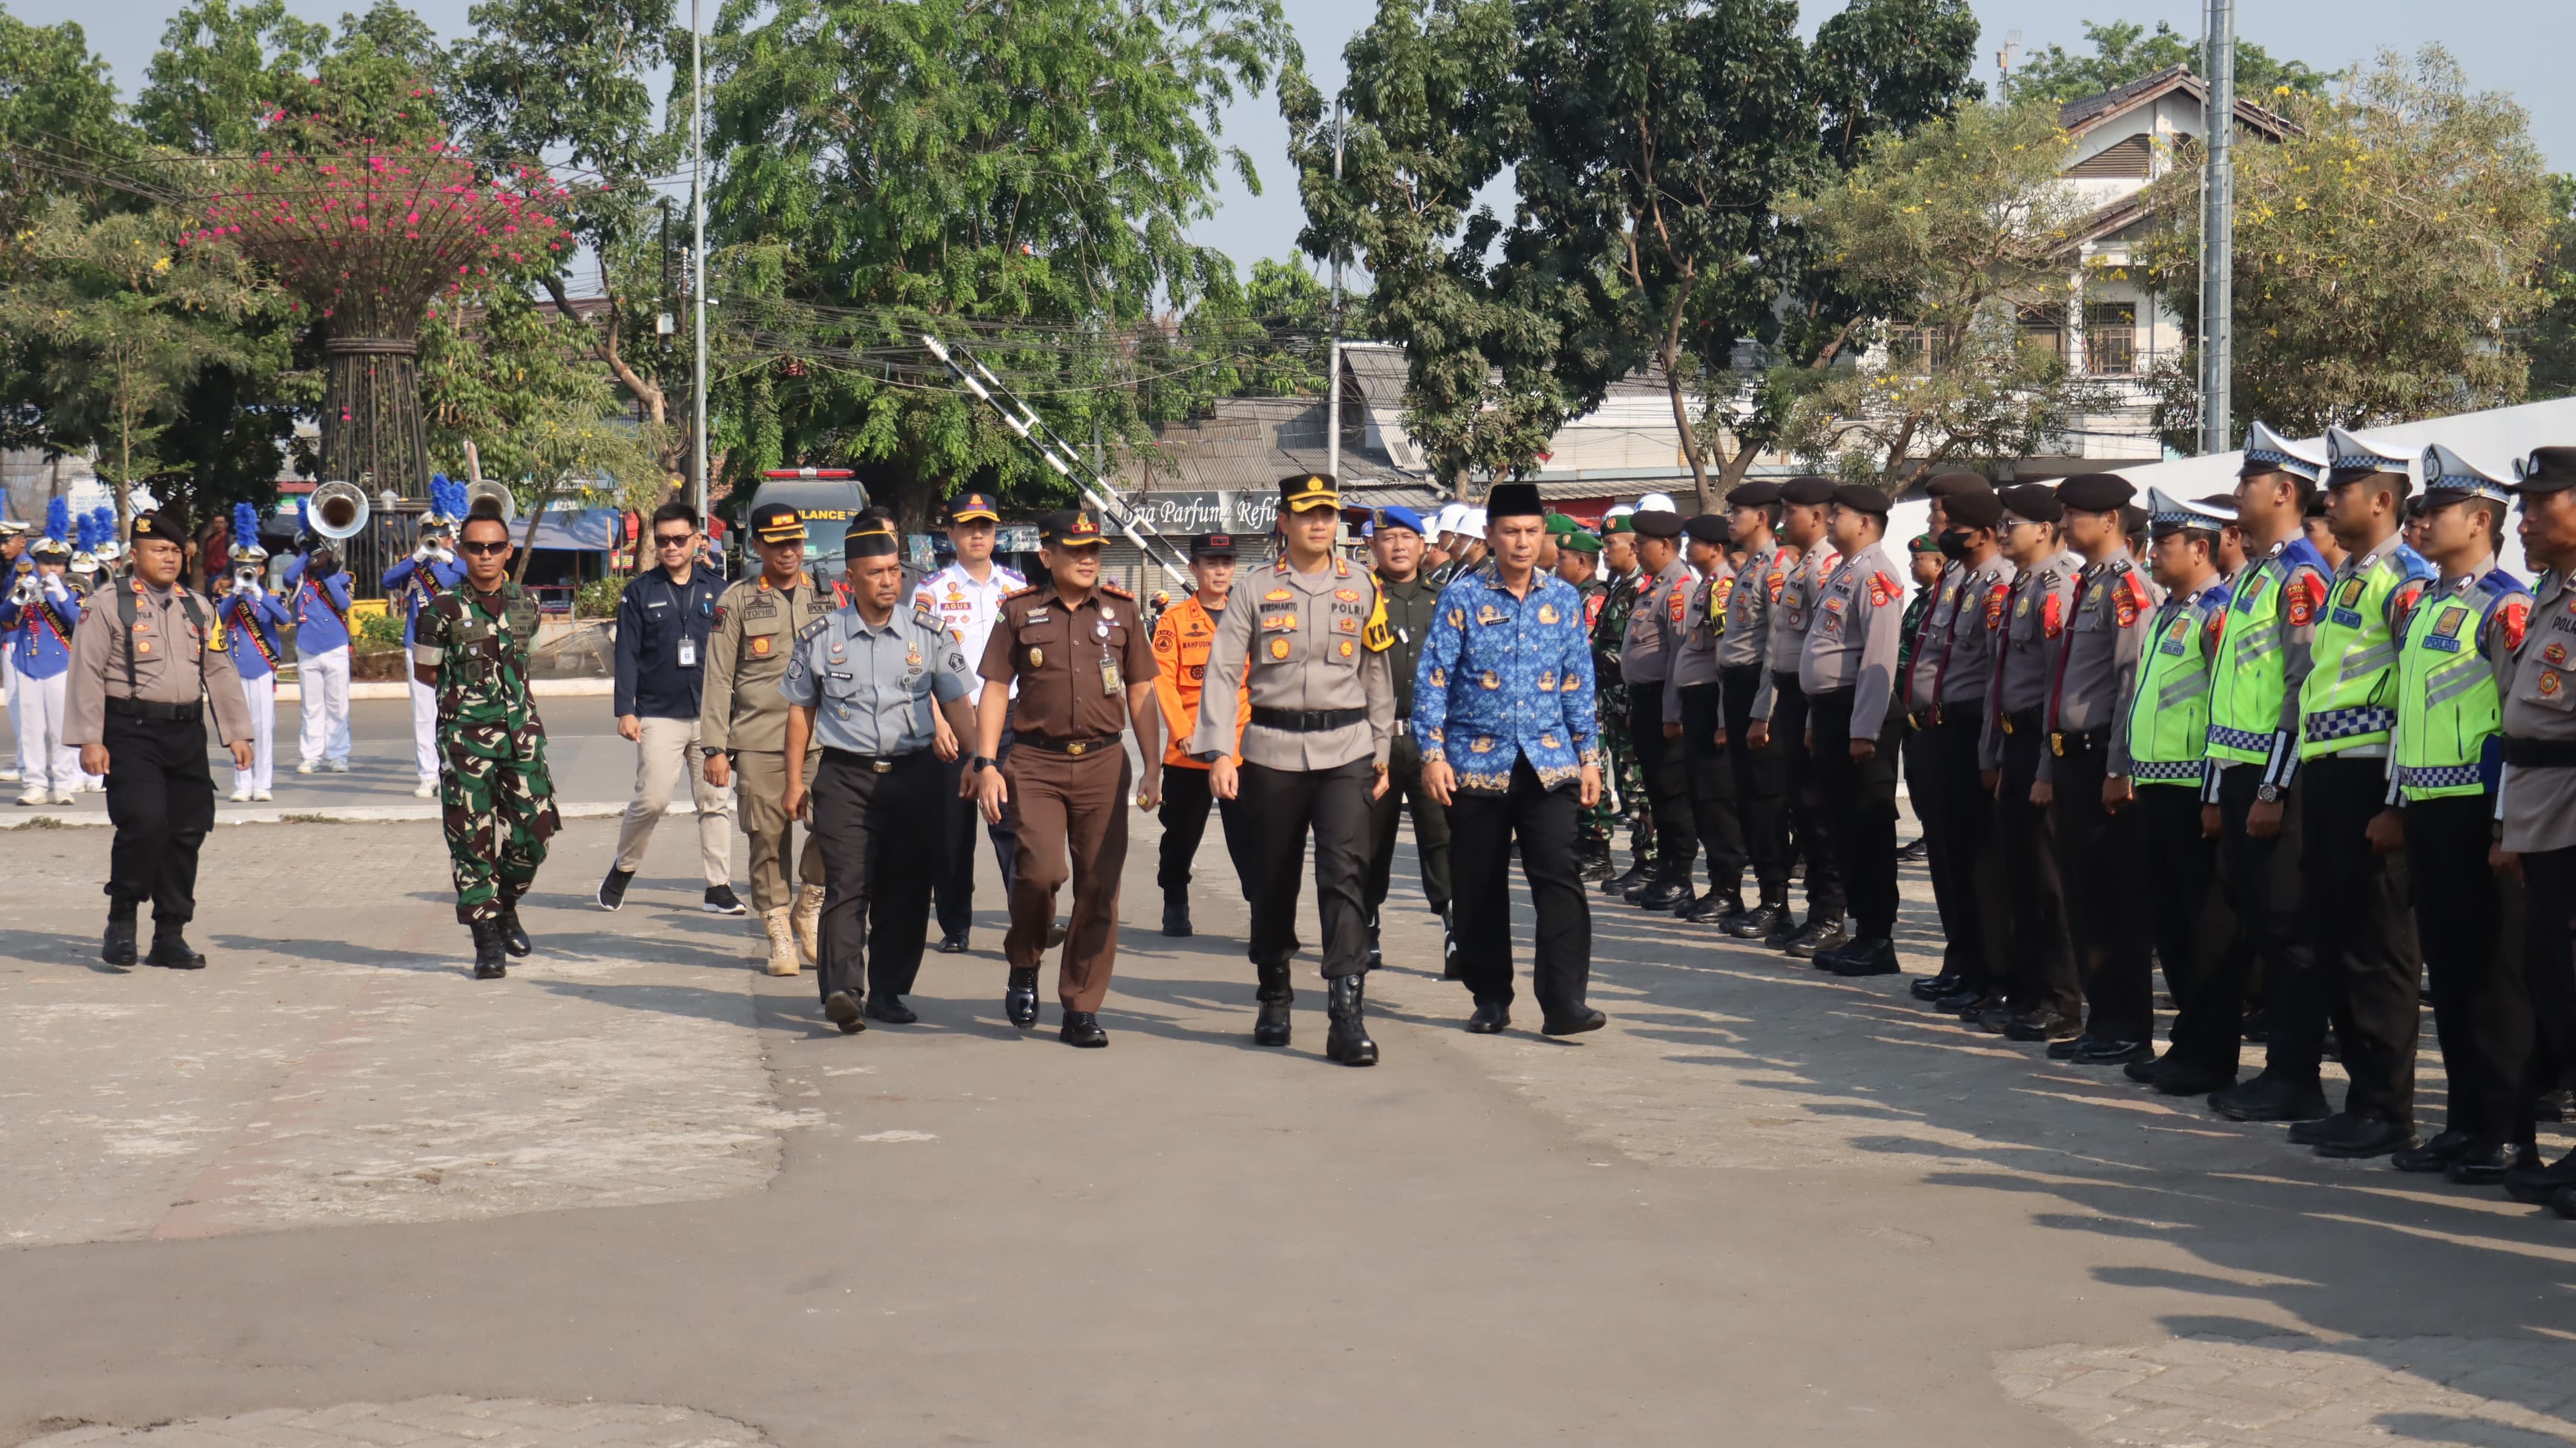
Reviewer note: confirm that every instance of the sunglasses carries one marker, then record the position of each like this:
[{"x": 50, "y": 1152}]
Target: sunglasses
[
  {"x": 674, "y": 540},
  {"x": 484, "y": 550}
]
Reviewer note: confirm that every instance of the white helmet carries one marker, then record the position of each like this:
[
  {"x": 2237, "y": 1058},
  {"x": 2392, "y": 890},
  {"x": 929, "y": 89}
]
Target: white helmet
[{"x": 1656, "y": 503}]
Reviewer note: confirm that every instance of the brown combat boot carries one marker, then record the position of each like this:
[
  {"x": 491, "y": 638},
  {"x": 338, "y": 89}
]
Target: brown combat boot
[
  {"x": 782, "y": 942},
  {"x": 809, "y": 923}
]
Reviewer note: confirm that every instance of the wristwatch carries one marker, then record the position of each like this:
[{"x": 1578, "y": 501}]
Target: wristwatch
[
  {"x": 977, "y": 764},
  {"x": 2268, "y": 793}
]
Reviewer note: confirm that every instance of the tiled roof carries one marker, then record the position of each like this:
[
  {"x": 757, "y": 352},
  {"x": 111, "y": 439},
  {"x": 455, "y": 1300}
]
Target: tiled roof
[{"x": 2086, "y": 112}]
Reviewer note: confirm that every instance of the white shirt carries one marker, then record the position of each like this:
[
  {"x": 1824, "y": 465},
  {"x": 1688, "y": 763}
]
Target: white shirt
[{"x": 967, "y": 607}]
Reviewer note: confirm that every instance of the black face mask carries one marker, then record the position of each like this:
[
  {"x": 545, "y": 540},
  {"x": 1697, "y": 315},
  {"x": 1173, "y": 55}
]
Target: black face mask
[{"x": 1954, "y": 544}]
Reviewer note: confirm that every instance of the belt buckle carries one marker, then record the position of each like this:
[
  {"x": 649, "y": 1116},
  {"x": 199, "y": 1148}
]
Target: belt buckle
[
  {"x": 882, "y": 766},
  {"x": 1075, "y": 749},
  {"x": 2007, "y": 721},
  {"x": 2057, "y": 744}
]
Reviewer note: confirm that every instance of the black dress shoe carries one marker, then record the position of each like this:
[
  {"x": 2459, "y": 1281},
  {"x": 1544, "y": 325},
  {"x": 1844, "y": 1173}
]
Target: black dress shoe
[
  {"x": 952, "y": 945},
  {"x": 2107, "y": 1052},
  {"x": 1020, "y": 997},
  {"x": 1490, "y": 1018},
  {"x": 1933, "y": 987},
  {"x": 117, "y": 946},
  {"x": 1346, "y": 1037},
  {"x": 514, "y": 936},
  {"x": 2043, "y": 1024},
  {"x": 1663, "y": 895},
  {"x": 2269, "y": 1098},
  {"x": 1756, "y": 923},
  {"x": 2437, "y": 1154},
  {"x": 2485, "y": 1164},
  {"x": 171, "y": 952},
  {"x": 2070, "y": 1048},
  {"x": 2361, "y": 1137},
  {"x": 1967, "y": 1001},
  {"x": 842, "y": 1009},
  {"x": 1819, "y": 936},
  {"x": 2309, "y": 1133},
  {"x": 1572, "y": 1023},
  {"x": 1996, "y": 1019},
  {"x": 1873, "y": 956},
  {"x": 2180, "y": 1080},
  {"x": 1634, "y": 878},
  {"x": 1713, "y": 909},
  {"x": 489, "y": 962},
  {"x": 1082, "y": 1028},
  {"x": 1176, "y": 916},
  {"x": 2535, "y": 1185},
  {"x": 2145, "y": 1072},
  {"x": 886, "y": 1006}
]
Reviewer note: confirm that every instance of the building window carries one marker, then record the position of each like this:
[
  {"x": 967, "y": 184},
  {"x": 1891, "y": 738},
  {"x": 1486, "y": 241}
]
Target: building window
[
  {"x": 2111, "y": 339},
  {"x": 2131, "y": 159},
  {"x": 1919, "y": 351},
  {"x": 2043, "y": 330}
]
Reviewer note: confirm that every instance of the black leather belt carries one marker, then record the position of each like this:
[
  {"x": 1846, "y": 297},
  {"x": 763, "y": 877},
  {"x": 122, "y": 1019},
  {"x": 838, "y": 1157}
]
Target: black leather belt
[
  {"x": 148, "y": 709},
  {"x": 1307, "y": 721},
  {"x": 2520, "y": 753},
  {"x": 1074, "y": 747},
  {"x": 2078, "y": 740},
  {"x": 873, "y": 763},
  {"x": 2022, "y": 721}
]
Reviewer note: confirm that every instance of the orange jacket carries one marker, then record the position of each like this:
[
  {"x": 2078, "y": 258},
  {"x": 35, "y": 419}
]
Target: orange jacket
[{"x": 1181, "y": 643}]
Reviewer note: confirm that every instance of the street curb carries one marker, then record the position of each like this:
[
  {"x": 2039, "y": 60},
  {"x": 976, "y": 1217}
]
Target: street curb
[
  {"x": 365, "y": 814},
  {"x": 397, "y": 689}
]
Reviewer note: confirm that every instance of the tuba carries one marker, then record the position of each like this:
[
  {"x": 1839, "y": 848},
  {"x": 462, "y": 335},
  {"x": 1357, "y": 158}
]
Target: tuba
[
  {"x": 337, "y": 511},
  {"x": 498, "y": 494}
]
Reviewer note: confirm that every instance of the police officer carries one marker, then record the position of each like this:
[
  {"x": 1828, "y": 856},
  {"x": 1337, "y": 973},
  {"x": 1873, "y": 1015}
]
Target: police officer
[
  {"x": 1396, "y": 550},
  {"x": 2046, "y": 997},
  {"x": 253, "y": 615},
  {"x": 1927, "y": 644},
  {"x": 2538, "y": 808},
  {"x": 1645, "y": 664},
  {"x": 1954, "y": 666},
  {"x": 1310, "y": 643},
  {"x": 742, "y": 726},
  {"x": 2100, "y": 851},
  {"x": 861, "y": 686},
  {"x": 1743, "y": 651},
  {"x": 147, "y": 663},
  {"x": 40, "y": 628},
  {"x": 1182, "y": 638},
  {"x": 966, "y": 596},
  {"x": 429, "y": 571},
  {"x": 1780, "y": 712},
  {"x": 1501, "y": 704},
  {"x": 1847, "y": 671},
  {"x": 2444, "y": 767},
  {"x": 1077, "y": 649},
  {"x": 2164, "y": 720},
  {"x": 1695, "y": 723}
]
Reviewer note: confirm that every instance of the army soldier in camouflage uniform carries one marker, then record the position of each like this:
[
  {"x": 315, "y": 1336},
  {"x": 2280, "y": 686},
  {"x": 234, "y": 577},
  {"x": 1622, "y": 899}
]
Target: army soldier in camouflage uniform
[
  {"x": 471, "y": 648},
  {"x": 1624, "y": 793},
  {"x": 1579, "y": 563}
]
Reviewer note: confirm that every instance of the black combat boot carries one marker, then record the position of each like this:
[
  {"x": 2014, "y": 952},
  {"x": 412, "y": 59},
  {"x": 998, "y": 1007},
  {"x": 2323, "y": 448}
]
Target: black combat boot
[
  {"x": 1348, "y": 1040},
  {"x": 170, "y": 950},
  {"x": 1714, "y": 908},
  {"x": 1176, "y": 913},
  {"x": 489, "y": 963},
  {"x": 1020, "y": 998},
  {"x": 1592, "y": 862},
  {"x": 1757, "y": 922},
  {"x": 117, "y": 947},
  {"x": 1666, "y": 893},
  {"x": 1271, "y": 1027},
  {"x": 1627, "y": 886},
  {"x": 514, "y": 936}
]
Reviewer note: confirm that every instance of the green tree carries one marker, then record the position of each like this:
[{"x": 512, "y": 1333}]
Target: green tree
[
  {"x": 220, "y": 67},
  {"x": 2125, "y": 50},
  {"x": 2385, "y": 253},
  {"x": 1889, "y": 65},
  {"x": 2550, "y": 337}
]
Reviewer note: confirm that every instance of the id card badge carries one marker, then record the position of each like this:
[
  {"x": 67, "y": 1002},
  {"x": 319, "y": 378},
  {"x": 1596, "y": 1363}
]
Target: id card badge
[
  {"x": 1110, "y": 683},
  {"x": 688, "y": 652}
]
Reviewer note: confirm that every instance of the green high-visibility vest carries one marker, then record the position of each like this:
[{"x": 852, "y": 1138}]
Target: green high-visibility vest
[
  {"x": 2251, "y": 680},
  {"x": 2448, "y": 733},
  {"x": 2344, "y": 704},
  {"x": 2169, "y": 716}
]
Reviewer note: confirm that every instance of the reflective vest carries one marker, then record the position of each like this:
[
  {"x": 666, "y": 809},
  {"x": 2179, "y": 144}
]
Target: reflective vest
[
  {"x": 2169, "y": 715},
  {"x": 2251, "y": 679},
  {"x": 2345, "y": 704},
  {"x": 2448, "y": 732}
]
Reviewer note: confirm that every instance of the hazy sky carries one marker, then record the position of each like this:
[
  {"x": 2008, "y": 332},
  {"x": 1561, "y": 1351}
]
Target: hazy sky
[{"x": 2518, "y": 46}]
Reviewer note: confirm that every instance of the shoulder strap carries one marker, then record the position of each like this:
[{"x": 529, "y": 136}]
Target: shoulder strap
[{"x": 127, "y": 611}]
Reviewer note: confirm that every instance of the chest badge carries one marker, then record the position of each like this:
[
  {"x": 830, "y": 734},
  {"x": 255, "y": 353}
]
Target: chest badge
[
  {"x": 1037, "y": 658},
  {"x": 1346, "y": 648},
  {"x": 1278, "y": 648},
  {"x": 911, "y": 656},
  {"x": 1347, "y": 595},
  {"x": 2554, "y": 654},
  {"x": 760, "y": 646},
  {"x": 1547, "y": 613},
  {"x": 1277, "y": 595}
]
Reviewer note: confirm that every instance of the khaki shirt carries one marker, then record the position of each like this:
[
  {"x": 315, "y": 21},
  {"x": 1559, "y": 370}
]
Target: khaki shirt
[
  {"x": 755, "y": 630},
  {"x": 1074, "y": 663},
  {"x": 2538, "y": 806},
  {"x": 1303, "y": 641},
  {"x": 175, "y": 662}
]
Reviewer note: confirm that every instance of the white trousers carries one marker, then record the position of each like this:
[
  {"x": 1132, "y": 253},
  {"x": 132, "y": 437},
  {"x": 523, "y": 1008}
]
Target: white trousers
[
  {"x": 322, "y": 684},
  {"x": 424, "y": 722},
  {"x": 668, "y": 750},
  {"x": 44, "y": 761},
  {"x": 9, "y": 681},
  {"x": 261, "y": 695}
]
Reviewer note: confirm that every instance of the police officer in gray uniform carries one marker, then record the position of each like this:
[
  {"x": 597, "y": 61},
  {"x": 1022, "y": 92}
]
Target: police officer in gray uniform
[
  {"x": 1780, "y": 714},
  {"x": 2537, "y": 804},
  {"x": 1848, "y": 672},
  {"x": 1695, "y": 721},
  {"x": 1967, "y": 859},
  {"x": 860, "y": 685},
  {"x": 1311, "y": 636},
  {"x": 1743, "y": 646},
  {"x": 1646, "y": 664},
  {"x": 2047, "y": 1001}
]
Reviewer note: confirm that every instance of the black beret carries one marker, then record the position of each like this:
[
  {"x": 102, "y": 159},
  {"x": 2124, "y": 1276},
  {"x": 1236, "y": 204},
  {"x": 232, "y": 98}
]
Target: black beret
[
  {"x": 1514, "y": 500},
  {"x": 1973, "y": 510},
  {"x": 1807, "y": 491},
  {"x": 1707, "y": 528},
  {"x": 2032, "y": 502},
  {"x": 1952, "y": 484},
  {"x": 2546, "y": 470},
  {"x": 1862, "y": 498},
  {"x": 152, "y": 525},
  {"x": 1657, "y": 524},
  {"x": 2095, "y": 492},
  {"x": 1753, "y": 495}
]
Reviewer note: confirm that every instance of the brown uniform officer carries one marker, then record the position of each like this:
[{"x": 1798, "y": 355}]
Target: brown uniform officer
[
  {"x": 1083, "y": 659},
  {"x": 742, "y": 723},
  {"x": 147, "y": 662}
]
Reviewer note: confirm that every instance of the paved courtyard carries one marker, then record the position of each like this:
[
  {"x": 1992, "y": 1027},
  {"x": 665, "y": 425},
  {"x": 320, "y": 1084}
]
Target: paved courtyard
[{"x": 331, "y": 1192}]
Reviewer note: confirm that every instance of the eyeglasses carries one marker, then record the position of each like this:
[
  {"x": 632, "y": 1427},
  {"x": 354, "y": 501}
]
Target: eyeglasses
[
  {"x": 484, "y": 550},
  {"x": 674, "y": 540}
]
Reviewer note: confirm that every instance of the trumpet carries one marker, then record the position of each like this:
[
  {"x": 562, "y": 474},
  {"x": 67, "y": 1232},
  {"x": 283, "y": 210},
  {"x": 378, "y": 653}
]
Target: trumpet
[
  {"x": 26, "y": 590},
  {"x": 248, "y": 580},
  {"x": 338, "y": 510}
]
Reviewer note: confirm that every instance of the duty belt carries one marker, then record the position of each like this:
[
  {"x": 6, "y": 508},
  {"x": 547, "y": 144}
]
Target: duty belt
[
  {"x": 2528, "y": 753},
  {"x": 1076, "y": 747},
  {"x": 1307, "y": 721},
  {"x": 151, "y": 709},
  {"x": 873, "y": 763},
  {"x": 2079, "y": 739}
]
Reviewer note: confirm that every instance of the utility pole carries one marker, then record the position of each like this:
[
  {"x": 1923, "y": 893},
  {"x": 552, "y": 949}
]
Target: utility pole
[
  {"x": 698, "y": 248},
  {"x": 1333, "y": 384},
  {"x": 2218, "y": 233}
]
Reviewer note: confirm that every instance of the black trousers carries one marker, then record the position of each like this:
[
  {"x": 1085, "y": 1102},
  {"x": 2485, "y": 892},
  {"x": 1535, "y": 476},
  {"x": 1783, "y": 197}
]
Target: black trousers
[
  {"x": 2189, "y": 913},
  {"x": 1184, "y": 814},
  {"x": 2471, "y": 921},
  {"x": 1967, "y": 856},
  {"x": 1761, "y": 784},
  {"x": 1543, "y": 820},
  {"x": 2101, "y": 856},
  {"x": 876, "y": 881},
  {"x": 1659, "y": 761},
  {"x": 2262, "y": 877},
  {"x": 954, "y": 824},
  {"x": 2369, "y": 969},
  {"x": 1860, "y": 804},
  {"x": 2043, "y": 953},
  {"x": 1713, "y": 798},
  {"x": 2549, "y": 972},
  {"x": 1430, "y": 830},
  {"x": 161, "y": 798},
  {"x": 1806, "y": 799},
  {"x": 1282, "y": 805}
]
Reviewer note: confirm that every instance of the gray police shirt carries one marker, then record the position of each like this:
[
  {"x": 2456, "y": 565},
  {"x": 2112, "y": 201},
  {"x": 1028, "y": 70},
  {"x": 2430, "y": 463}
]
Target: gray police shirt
[{"x": 871, "y": 687}]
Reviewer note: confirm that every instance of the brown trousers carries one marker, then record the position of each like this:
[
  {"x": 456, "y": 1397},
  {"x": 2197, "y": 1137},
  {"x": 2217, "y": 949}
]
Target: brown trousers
[
  {"x": 760, "y": 782},
  {"x": 1077, "y": 806}
]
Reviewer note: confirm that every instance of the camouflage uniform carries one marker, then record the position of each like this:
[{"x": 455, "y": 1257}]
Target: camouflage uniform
[
  {"x": 494, "y": 791},
  {"x": 1623, "y": 793}
]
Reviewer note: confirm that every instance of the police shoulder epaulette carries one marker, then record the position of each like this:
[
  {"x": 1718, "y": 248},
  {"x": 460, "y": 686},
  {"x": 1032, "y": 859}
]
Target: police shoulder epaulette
[
  {"x": 1114, "y": 591},
  {"x": 814, "y": 628},
  {"x": 1020, "y": 592}
]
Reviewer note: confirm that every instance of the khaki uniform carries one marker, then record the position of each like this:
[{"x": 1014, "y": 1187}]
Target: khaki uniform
[{"x": 743, "y": 714}]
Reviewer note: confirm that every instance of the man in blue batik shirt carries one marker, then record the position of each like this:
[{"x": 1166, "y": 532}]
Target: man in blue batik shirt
[{"x": 1502, "y": 702}]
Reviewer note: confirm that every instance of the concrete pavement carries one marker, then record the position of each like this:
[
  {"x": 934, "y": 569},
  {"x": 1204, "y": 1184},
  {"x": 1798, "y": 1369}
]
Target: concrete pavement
[{"x": 331, "y": 1192}]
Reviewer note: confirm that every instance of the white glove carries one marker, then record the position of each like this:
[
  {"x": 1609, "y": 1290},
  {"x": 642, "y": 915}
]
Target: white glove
[{"x": 54, "y": 587}]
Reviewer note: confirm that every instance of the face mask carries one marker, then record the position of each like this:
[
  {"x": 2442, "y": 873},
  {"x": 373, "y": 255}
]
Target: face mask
[{"x": 1954, "y": 544}]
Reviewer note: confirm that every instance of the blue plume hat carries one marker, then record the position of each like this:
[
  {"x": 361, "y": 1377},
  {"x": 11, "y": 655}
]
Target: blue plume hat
[{"x": 58, "y": 520}]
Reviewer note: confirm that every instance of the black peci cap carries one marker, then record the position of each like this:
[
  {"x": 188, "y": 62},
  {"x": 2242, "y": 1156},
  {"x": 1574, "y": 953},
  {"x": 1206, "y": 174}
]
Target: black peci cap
[
  {"x": 153, "y": 525},
  {"x": 974, "y": 507},
  {"x": 2095, "y": 493},
  {"x": 1513, "y": 500},
  {"x": 1862, "y": 498},
  {"x": 869, "y": 537},
  {"x": 2032, "y": 503},
  {"x": 1807, "y": 492}
]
